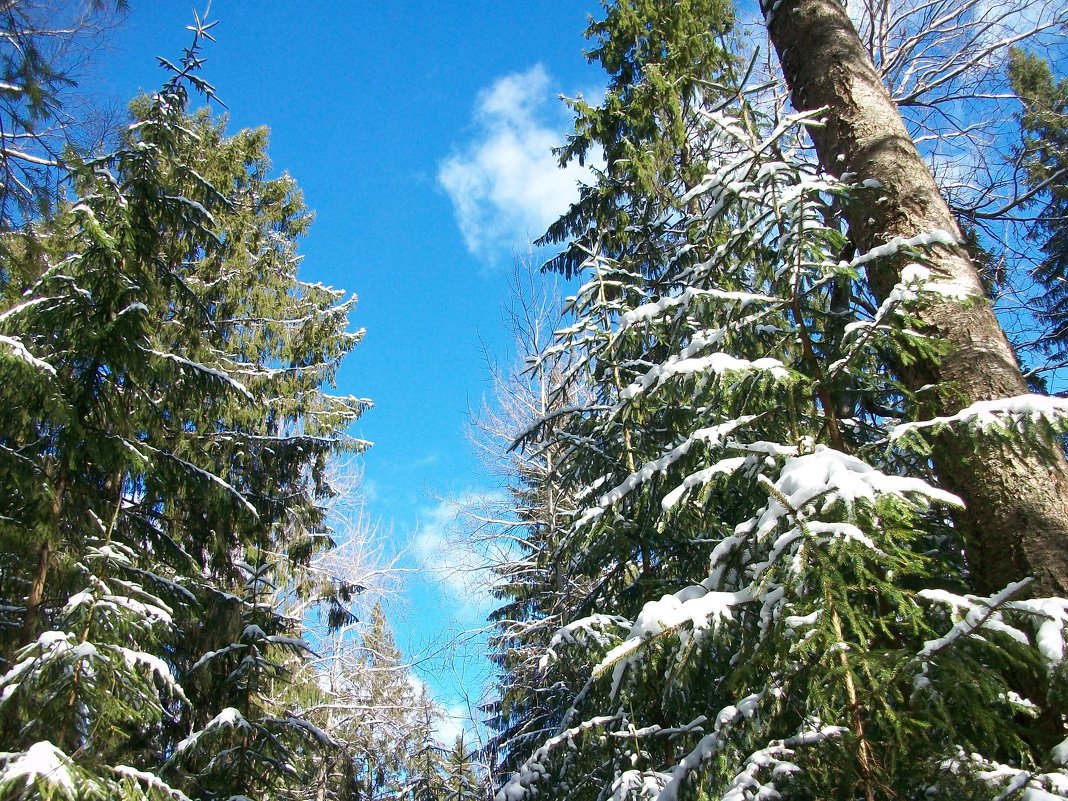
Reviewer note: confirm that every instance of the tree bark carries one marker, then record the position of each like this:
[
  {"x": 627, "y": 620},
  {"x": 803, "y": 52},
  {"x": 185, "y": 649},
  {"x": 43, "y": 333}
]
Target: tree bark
[
  {"x": 36, "y": 595},
  {"x": 35, "y": 599},
  {"x": 1015, "y": 523}
]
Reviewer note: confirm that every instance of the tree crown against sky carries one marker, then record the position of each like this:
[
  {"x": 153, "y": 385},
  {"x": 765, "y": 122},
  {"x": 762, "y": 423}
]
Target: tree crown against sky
[{"x": 165, "y": 452}]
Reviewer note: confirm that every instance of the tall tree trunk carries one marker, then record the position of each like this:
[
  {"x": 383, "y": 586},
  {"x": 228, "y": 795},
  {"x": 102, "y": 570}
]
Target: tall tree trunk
[
  {"x": 36, "y": 596},
  {"x": 1016, "y": 519},
  {"x": 31, "y": 621}
]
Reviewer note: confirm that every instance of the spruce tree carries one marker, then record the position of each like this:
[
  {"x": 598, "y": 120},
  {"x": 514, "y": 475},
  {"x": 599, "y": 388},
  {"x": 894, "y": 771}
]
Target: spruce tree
[
  {"x": 1044, "y": 153},
  {"x": 664, "y": 63},
  {"x": 364, "y": 697},
  {"x": 536, "y": 593},
  {"x": 163, "y": 454},
  {"x": 780, "y": 603},
  {"x": 461, "y": 781}
]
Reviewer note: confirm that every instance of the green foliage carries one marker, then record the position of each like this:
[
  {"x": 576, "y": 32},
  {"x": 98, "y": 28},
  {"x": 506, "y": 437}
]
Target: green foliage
[
  {"x": 664, "y": 61},
  {"x": 164, "y": 462},
  {"x": 1044, "y": 153},
  {"x": 766, "y": 597},
  {"x": 461, "y": 781},
  {"x": 254, "y": 746}
]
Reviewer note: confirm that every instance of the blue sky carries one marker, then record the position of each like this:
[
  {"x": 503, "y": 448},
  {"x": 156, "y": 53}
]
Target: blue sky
[{"x": 420, "y": 135}]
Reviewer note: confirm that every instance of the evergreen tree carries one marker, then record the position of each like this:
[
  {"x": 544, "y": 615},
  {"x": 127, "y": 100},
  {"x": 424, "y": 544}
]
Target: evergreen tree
[
  {"x": 363, "y": 696},
  {"x": 461, "y": 781},
  {"x": 537, "y": 595},
  {"x": 662, "y": 60},
  {"x": 427, "y": 777},
  {"x": 163, "y": 454},
  {"x": 253, "y": 746},
  {"x": 780, "y": 603},
  {"x": 665, "y": 64},
  {"x": 1044, "y": 124},
  {"x": 385, "y": 725}
]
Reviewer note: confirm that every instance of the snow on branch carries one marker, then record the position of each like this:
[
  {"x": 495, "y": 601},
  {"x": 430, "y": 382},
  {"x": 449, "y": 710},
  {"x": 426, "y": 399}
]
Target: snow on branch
[
  {"x": 229, "y": 718},
  {"x": 42, "y": 762},
  {"x": 591, "y": 627},
  {"x": 692, "y": 608},
  {"x": 702, "y": 477},
  {"x": 980, "y": 613},
  {"x": 904, "y": 244},
  {"x": 773, "y": 758},
  {"x": 717, "y": 363},
  {"x": 681, "y": 302},
  {"x": 211, "y": 477},
  {"x": 1000, "y": 413},
  {"x": 638, "y": 784},
  {"x": 712, "y": 436},
  {"x": 150, "y": 781},
  {"x": 834, "y": 476},
  {"x": 20, "y": 352},
  {"x": 218, "y": 375},
  {"x": 521, "y": 782},
  {"x": 1052, "y": 628},
  {"x": 1012, "y": 782},
  {"x": 27, "y": 304}
]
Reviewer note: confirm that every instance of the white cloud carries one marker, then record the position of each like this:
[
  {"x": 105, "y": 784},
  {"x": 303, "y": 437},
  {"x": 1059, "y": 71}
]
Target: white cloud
[
  {"x": 453, "y": 721},
  {"x": 506, "y": 186},
  {"x": 458, "y": 562}
]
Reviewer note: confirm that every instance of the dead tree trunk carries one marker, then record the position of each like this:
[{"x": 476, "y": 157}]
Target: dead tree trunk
[{"x": 1016, "y": 519}]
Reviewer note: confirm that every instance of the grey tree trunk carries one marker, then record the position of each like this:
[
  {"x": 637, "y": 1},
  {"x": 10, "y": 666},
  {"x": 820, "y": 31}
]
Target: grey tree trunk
[{"x": 1016, "y": 519}]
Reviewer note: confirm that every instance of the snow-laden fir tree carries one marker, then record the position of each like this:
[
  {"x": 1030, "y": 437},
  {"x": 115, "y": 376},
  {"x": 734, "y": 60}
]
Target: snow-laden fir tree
[
  {"x": 780, "y": 602},
  {"x": 253, "y": 746},
  {"x": 628, "y": 213},
  {"x": 162, "y": 454},
  {"x": 461, "y": 780},
  {"x": 395, "y": 754}
]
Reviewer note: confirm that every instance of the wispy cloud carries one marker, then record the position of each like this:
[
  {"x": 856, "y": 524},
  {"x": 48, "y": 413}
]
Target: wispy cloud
[
  {"x": 505, "y": 184},
  {"x": 456, "y": 561},
  {"x": 453, "y": 722}
]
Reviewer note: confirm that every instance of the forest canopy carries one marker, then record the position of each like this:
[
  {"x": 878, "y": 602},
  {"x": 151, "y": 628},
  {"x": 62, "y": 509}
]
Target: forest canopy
[{"x": 787, "y": 496}]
